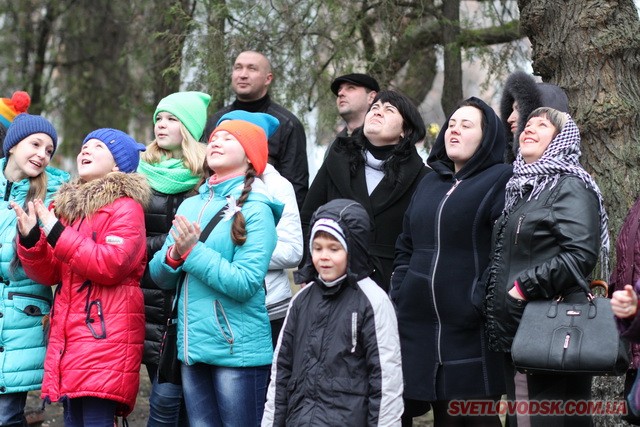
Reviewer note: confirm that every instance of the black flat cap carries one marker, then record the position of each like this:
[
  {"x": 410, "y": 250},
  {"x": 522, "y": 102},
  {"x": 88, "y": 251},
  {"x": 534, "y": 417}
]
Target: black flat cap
[{"x": 357, "y": 79}]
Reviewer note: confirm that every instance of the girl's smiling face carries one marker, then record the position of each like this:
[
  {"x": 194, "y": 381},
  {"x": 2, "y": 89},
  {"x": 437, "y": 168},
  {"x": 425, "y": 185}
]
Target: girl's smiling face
[
  {"x": 29, "y": 157},
  {"x": 95, "y": 160},
  {"x": 225, "y": 155}
]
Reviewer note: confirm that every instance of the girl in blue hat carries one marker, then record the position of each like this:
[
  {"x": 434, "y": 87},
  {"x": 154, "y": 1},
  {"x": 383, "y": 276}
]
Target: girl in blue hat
[
  {"x": 92, "y": 244},
  {"x": 24, "y": 304}
]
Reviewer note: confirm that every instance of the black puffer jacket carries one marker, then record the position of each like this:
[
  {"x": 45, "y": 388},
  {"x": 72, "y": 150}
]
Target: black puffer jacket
[
  {"x": 441, "y": 256},
  {"x": 337, "y": 362},
  {"x": 539, "y": 243},
  {"x": 157, "y": 303}
]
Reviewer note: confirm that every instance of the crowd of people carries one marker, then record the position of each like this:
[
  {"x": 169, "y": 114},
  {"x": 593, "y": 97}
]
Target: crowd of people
[{"x": 413, "y": 275}]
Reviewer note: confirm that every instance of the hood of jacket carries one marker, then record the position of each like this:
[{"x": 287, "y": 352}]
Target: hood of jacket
[
  {"x": 78, "y": 199},
  {"x": 529, "y": 94},
  {"x": 489, "y": 152},
  {"x": 355, "y": 223}
]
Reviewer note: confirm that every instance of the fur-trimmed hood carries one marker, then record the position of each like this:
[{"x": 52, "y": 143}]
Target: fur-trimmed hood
[
  {"x": 529, "y": 94},
  {"x": 78, "y": 199}
]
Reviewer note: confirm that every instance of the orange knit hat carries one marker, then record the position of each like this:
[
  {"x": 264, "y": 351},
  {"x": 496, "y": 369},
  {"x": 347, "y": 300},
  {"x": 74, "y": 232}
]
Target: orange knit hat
[{"x": 251, "y": 137}]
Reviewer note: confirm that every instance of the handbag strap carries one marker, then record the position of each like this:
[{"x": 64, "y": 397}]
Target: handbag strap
[{"x": 203, "y": 236}]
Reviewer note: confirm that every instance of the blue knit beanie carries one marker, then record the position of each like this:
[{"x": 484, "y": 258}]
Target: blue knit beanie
[
  {"x": 124, "y": 149},
  {"x": 267, "y": 122},
  {"x": 24, "y": 125}
]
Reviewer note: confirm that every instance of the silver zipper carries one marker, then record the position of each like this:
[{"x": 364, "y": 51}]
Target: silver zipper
[
  {"x": 520, "y": 221},
  {"x": 354, "y": 331},
  {"x": 435, "y": 265},
  {"x": 185, "y": 288}
]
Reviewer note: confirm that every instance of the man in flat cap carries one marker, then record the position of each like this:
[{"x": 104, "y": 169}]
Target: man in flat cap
[{"x": 355, "y": 93}]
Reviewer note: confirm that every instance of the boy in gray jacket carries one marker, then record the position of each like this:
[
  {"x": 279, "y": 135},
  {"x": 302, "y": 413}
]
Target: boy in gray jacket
[{"x": 337, "y": 361}]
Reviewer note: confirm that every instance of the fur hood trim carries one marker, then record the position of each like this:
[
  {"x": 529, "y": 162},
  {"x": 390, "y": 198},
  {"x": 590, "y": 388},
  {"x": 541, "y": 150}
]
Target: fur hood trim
[
  {"x": 529, "y": 94},
  {"x": 520, "y": 87},
  {"x": 78, "y": 199}
]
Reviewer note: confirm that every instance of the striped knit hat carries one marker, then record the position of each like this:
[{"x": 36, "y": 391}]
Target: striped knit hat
[{"x": 11, "y": 107}]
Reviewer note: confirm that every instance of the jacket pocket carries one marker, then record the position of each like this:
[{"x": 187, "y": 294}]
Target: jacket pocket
[
  {"x": 223, "y": 324},
  {"x": 31, "y": 305},
  {"x": 513, "y": 314},
  {"x": 358, "y": 386}
]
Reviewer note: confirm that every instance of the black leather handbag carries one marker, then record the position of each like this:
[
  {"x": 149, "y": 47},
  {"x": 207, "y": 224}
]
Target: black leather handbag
[
  {"x": 169, "y": 365},
  {"x": 577, "y": 334}
]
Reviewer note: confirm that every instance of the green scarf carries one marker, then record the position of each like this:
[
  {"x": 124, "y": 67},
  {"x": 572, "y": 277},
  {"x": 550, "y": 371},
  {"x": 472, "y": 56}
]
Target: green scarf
[{"x": 169, "y": 176}]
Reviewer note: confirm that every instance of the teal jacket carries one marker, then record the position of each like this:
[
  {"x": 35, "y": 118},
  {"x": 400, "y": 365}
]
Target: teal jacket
[
  {"x": 24, "y": 303},
  {"x": 222, "y": 317}
]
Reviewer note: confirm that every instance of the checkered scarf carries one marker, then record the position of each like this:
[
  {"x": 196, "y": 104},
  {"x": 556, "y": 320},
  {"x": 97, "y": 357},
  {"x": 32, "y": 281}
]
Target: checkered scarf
[{"x": 560, "y": 158}]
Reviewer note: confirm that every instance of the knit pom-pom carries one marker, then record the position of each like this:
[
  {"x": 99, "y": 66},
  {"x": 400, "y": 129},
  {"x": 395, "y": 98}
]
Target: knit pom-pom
[{"x": 21, "y": 101}]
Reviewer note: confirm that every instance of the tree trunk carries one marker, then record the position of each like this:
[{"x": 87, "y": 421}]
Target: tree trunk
[
  {"x": 452, "y": 88},
  {"x": 591, "y": 49}
]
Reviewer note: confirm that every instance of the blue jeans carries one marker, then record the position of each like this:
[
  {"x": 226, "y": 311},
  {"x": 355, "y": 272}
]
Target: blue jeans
[
  {"x": 12, "y": 409},
  {"x": 220, "y": 396},
  {"x": 166, "y": 406},
  {"x": 89, "y": 412}
]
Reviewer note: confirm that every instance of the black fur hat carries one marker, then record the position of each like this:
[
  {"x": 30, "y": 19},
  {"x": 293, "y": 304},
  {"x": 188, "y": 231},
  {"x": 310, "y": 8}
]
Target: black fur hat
[{"x": 529, "y": 94}]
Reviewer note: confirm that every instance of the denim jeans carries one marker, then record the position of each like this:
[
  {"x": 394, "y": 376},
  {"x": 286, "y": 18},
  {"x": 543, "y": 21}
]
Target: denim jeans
[
  {"x": 89, "y": 411},
  {"x": 12, "y": 409},
  {"x": 166, "y": 406},
  {"x": 220, "y": 396}
]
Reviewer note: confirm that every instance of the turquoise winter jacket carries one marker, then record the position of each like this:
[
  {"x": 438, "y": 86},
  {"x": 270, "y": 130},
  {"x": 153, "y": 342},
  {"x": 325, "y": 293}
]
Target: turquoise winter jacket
[
  {"x": 24, "y": 303},
  {"x": 222, "y": 318}
]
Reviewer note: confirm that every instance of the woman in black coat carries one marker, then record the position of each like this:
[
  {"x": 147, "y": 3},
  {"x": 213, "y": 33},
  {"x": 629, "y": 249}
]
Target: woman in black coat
[
  {"x": 379, "y": 168},
  {"x": 441, "y": 256},
  {"x": 552, "y": 228}
]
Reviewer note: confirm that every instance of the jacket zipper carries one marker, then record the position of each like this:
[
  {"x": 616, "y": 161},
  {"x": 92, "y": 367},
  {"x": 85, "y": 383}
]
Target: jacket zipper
[
  {"x": 520, "y": 221},
  {"x": 354, "y": 331},
  {"x": 218, "y": 310},
  {"x": 20, "y": 294},
  {"x": 435, "y": 265},
  {"x": 185, "y": 288}
]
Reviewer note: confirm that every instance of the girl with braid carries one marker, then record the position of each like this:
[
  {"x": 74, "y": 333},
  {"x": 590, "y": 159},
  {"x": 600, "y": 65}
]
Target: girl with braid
[{"x": 224, "y": 338}]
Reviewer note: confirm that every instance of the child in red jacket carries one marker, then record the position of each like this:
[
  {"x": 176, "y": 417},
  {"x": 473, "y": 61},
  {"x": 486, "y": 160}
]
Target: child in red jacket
[{"x": 92, "y": 244}]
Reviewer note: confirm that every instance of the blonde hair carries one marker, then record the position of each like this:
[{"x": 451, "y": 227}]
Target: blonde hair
[{"x": 193, "y": 152}]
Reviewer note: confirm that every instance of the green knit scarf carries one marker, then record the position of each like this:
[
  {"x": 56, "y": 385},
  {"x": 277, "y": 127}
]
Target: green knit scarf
[{"x": 170, "y": 176}]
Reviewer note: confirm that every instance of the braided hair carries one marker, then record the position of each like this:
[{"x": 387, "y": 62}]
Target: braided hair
[{"x": 238, "y": 228}]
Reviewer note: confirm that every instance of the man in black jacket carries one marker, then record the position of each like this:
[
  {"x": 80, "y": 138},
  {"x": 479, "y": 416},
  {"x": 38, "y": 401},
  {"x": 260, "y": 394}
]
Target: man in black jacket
[{"x": 250, "y": 81}]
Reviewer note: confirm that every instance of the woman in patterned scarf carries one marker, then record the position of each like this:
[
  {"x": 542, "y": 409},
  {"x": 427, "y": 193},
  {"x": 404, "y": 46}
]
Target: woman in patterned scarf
[{"x": 553, "y": 223}]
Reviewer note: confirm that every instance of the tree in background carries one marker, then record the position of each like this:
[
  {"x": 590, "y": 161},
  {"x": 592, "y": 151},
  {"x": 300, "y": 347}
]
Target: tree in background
[{"x": 592, "y": 50}]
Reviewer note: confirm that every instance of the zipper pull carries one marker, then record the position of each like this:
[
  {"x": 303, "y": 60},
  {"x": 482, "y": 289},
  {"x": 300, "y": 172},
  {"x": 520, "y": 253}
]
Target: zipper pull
[
  {"x": 455, "y": 184},
  {"x": 354, "y": 331},
  {"x": 231, "y": 348},
  {"x": 566, "y": 341},
  {"x": 520, "y": 221}
]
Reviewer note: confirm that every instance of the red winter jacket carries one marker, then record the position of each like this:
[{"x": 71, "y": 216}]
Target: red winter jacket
[{"x": 97, "y": 323}]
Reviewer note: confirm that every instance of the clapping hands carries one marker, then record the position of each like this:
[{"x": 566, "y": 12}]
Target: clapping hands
[
  {"x": 185, "y": 234},
  {"x": 29, "y": 219}
]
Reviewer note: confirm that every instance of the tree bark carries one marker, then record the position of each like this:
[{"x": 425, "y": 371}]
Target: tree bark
[
  {"x": 452, "y": 88},
  {"x": 591, "y": 48}
]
